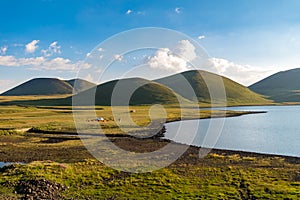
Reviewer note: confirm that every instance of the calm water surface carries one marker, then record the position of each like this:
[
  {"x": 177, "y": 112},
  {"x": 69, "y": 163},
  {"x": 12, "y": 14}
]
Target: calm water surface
[{"x": 274, "y": 132}]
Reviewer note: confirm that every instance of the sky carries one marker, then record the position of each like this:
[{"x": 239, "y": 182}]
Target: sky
[{"x": 245, "y": 40}]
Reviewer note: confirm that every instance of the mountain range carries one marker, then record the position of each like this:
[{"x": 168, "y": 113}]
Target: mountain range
[{"x": 189, "y": 86}]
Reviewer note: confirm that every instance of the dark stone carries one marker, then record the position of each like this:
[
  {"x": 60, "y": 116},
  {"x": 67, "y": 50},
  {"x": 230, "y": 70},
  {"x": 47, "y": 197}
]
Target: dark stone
[{"x": 40, "y": 189}]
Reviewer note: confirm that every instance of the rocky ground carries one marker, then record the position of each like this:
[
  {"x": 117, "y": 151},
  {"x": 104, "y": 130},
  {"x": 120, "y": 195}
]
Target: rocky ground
[{"x": 40, "y": 189}]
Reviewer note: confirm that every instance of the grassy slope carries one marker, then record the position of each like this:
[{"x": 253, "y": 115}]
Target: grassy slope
[
  {"x": 80, "y": 84},
  {"x": 49, "y": 86},
  {"x": 236, "y": 94},
  {"x": 280, "y": 87},
  {"x": 41, "y": 86},
  {"x": 156, "y": 92},
  {"x": 147, "y": 93}
]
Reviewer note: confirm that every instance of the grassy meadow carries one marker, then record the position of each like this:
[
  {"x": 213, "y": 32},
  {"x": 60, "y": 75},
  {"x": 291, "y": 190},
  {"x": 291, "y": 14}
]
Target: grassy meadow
[{"x": 44, "y": 137}]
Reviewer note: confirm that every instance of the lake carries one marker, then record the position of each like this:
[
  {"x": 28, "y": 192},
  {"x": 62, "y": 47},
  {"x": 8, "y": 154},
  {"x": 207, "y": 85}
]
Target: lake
[
  {"x": 2, "y": 164},
  {"x": 274, "y": 132}
]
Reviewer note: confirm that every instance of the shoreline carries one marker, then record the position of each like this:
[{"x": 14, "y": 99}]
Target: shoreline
[
  {"x": 253, "y": 105},
  {"x": 127, "y": 139}
]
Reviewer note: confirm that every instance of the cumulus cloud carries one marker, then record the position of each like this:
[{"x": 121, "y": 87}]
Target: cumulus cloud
[
  {"x": 118, "y": 57},
  {"x": 31, "y": 46},
  {"x": 53, "y": 48},
  {"x": 176, "y": 60},
  {"x": 40, "y": 63},
  {"x": 244, "y": 74},
  {"x": 9, "y": 61},
  {"x": 3, "y": 50},
  {"x": 177, "y": 10},
  {"x": 165, "y": 60},
  {"x": 201, "y": 37},
  {"x": 186, "y": 50}
]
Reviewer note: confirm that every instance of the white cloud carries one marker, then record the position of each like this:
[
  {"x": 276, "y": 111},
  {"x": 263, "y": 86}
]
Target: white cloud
[
  {"x": 32, "y": 46},
  {"x": 118, "y": 57},
  {"x": 100, "y": 49},
  {"x": 164, "y": 60},
  {"x": 61, "y": 64},
  {"x": 3, "y": 50},
  {"x": 177, "y": 10},
  {"x": 176, "y": 61},
  {"x": 53, "y": 48},
  {"x": 131, "y": 12},
  {"x": 201, "y": 37},
  {"x": 9, "y": 61},
  {"x": 128, "y": 12},
  {"x": 35, "y": 61},
  {"x": 40, "y": 63},
  {"x": 244, "y": 74},
  {"x": 186, "y": 49},
  {"x": 100, "y": 57}
]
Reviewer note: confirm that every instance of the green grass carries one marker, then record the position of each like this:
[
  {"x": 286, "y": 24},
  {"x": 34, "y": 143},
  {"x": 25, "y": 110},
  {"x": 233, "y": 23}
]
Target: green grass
[
  {"x": 214, "y": 177},
  {"x": 63, "y": 159}
]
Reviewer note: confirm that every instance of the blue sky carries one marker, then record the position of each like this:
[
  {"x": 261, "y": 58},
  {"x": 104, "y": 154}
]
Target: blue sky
[{"x": 247, "y": 40}]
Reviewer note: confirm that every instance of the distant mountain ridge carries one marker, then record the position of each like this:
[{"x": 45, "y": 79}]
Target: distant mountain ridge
[
  {"x": 283, "y": 86},
  {"x": 48, "y": 86}
]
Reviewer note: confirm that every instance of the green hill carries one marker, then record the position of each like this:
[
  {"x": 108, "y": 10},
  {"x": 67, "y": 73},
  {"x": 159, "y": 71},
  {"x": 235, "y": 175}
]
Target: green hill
[
  {"x": 281, "y": 87},
  {"x": 41, "y": 86},
  {"x": 80, "y": 84},
  {"x": 147, "y": 92},
  {"x": 49, "y": 86},
  {"x": 162, "y": 91},
  {"x": 236, "y": 93}
]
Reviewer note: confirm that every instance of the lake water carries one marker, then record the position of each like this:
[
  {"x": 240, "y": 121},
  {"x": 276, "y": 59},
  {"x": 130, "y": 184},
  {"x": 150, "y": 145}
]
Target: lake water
[
  {"x": 274, "y": 132},
  {"x": 2, "y": 164}
]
